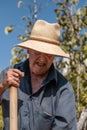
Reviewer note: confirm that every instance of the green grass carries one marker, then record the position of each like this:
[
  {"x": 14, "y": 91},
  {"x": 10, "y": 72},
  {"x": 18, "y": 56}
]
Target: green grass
[{"x": 1, "y": 118}]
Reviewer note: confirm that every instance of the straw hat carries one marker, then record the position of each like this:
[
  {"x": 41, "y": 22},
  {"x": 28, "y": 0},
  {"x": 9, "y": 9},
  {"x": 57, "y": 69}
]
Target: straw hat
[{"x": 45, "y": 38}]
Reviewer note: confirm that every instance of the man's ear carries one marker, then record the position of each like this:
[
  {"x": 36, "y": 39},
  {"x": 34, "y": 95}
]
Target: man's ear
[{"x": 27, "y": 53}]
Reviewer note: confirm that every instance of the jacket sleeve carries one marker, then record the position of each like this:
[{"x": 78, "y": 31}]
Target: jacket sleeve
[
  {"x": 65, "y": 113},
  {"x": 3, "y": 72}
]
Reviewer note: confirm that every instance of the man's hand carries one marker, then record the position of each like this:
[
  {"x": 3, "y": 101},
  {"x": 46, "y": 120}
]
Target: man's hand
[{"x": 12, "y": 78}]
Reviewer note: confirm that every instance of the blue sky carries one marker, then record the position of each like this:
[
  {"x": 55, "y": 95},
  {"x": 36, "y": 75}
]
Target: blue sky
[{"x": 11, "y": 14}]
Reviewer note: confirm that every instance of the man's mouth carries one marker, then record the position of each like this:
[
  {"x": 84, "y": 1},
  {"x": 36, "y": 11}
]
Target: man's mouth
[{"x": 40, "y": 64}]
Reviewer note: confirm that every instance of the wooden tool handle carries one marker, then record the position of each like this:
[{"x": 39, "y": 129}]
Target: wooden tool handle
[{"x": 13, "y": 109}]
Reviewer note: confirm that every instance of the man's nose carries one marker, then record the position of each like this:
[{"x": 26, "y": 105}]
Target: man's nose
[{"x": 42, "y": 57}]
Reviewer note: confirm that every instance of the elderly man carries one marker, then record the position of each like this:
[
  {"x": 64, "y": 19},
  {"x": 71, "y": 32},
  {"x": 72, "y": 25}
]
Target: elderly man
[{"x": 45, "y": 97}]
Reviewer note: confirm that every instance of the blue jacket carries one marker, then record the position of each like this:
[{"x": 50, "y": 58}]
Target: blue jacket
[{"x": 52, "y": 107}]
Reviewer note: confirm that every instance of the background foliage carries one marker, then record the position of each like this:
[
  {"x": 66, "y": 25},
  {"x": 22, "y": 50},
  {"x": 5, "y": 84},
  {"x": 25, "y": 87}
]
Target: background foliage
[
  {"x": 74, "y": 40},
  {"x": 1, "y": 119}
]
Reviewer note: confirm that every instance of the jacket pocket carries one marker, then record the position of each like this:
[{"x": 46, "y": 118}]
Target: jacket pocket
[
  {"x": 43, "y": 120},
  {"x": 24, "y": 119}
]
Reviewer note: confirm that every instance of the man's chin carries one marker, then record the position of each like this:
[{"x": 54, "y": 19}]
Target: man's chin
[{"x": 42, "y": 74}]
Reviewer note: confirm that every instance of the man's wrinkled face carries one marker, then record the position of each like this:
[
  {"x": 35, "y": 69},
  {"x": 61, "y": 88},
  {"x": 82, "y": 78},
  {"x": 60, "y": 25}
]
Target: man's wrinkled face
[{"x": 39, "y": 62}]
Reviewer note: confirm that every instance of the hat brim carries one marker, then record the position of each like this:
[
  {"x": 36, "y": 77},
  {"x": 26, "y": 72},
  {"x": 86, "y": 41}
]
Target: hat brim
[{"x": 43, "y": 47}]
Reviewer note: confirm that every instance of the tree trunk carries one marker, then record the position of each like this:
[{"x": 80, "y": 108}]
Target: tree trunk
[{"x": 82, "y": 119}]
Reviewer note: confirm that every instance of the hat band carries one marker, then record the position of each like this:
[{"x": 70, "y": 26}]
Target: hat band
[{"x": 44, "y": 40}]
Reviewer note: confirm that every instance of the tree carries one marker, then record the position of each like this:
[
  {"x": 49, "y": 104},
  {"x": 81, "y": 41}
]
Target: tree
[{"x": 74, "y": 40}]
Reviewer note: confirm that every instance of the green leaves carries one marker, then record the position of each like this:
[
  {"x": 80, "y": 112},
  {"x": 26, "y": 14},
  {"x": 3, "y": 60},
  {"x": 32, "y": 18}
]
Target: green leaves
[
  {"x": 1, "y": 119},
  {"x": 74, "y": 40},
  {"x": 20, "y": 3},
  {"x": 18, "y": 54},
  {"x": 22, "y": 37},
  {"x": 8, "y": 29}
]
